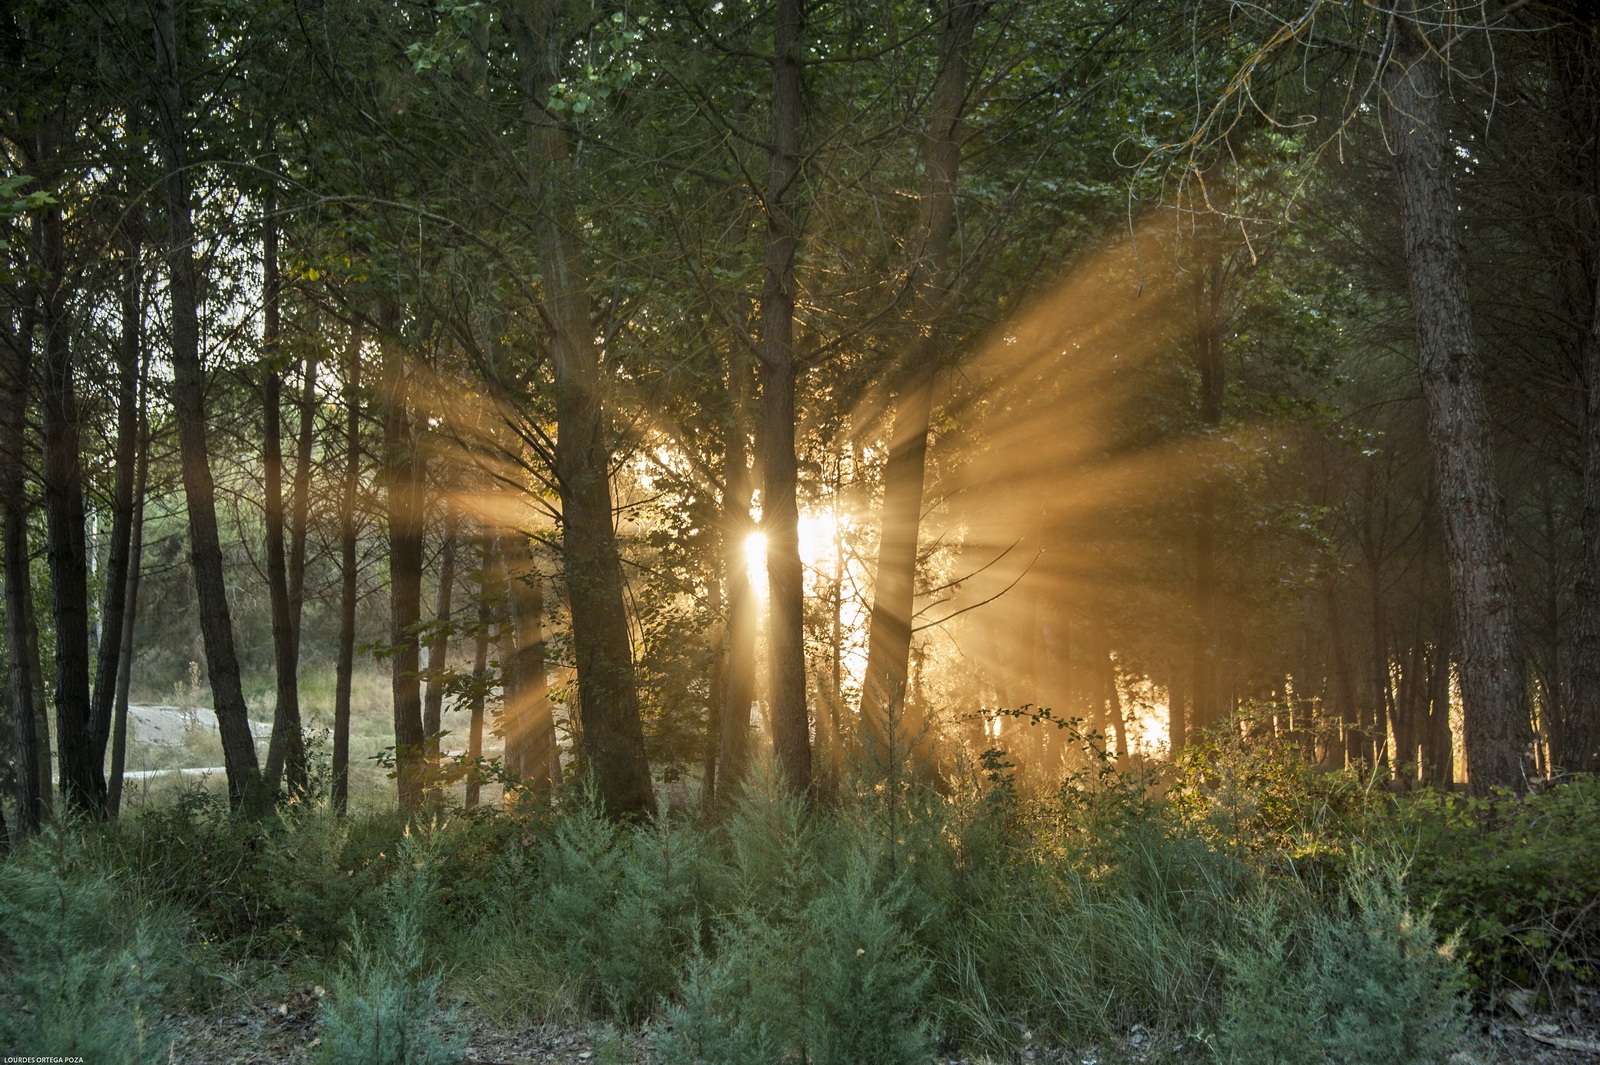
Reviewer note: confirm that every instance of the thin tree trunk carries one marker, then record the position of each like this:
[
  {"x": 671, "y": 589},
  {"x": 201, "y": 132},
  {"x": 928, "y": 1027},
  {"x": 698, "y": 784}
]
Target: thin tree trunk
[
  {"x": 480, "y": 669},
  {"x": 83, "y": 786},
  {"x": 130, "y": 608},
  {"x": 117, "y": 582},
  {"x": 1493, "y": 699},
  {"x": 344, "y": 667},
  {"x": 1206, "y": 688},
  {"x": 531, "y": 750},
  {"x": 780, "y": 516},
  {"x": 611, "y": 732},
  {"x": 439, "y": 651},
  {"x": 743, "y": 605},
  {"x": 403, "y": 501},
  {"x": 299, "y": 506},
  {"x": 894, "y": 590},
  {"x": 188, "y": 401},
  {"x": 287, "y": 743},
  {"x": 32, "y": 770}
]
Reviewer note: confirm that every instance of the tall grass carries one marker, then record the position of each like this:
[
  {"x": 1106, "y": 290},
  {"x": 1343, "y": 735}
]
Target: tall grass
[{"x": 886, "y": 923}]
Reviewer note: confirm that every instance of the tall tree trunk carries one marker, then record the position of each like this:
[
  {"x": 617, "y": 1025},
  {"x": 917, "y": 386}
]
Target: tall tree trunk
[
  {"x": 530, "y": 730},
  {"x": 780, "y": 515},
  {"x": 83, "y": 786},
  {"x": 1575, "y": 64},
  {"x": 439, "y": 650},
  {"x": 612, "y": 734},
  {"x": 117, "y": 582},
  {"x": 894, "y": 590},
  {"x": 295, "y": 767},
  {"x": 344, "y": 664},
  {"x": 403, "y": 501},
  {"x": 130, "y": 614},
  {"x": 188, "y": 401},
  {"x": 32, "y": 770},
  {"x": 1205, "y": 688},
  {"x": 480, "y": 668},
  {"x": 287, "y": 744},
  {"x": 1493, "y": 700},
  {"x": 743, "y": 605}
]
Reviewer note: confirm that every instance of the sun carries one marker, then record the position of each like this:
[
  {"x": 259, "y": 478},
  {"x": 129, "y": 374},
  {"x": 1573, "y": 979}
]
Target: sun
[
  {"x": 755, "y": 561},
  {"x": 818, "y": 546}
]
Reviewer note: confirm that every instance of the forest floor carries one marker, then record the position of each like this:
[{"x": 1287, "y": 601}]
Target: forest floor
[{"x": 284, "y": 1032}]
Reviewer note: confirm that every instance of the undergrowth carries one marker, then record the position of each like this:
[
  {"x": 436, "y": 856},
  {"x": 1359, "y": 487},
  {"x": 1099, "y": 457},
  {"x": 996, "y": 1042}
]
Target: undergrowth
[{"x": 1239, "y": 907}]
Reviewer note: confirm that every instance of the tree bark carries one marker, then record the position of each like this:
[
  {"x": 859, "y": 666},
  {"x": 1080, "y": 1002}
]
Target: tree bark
[
  {"x": 531, "y": 750},
  {"x": 1493, "y": 700},
  {"x": 612, "y": 734},
  {"x": 128, "y": 458},
  {"x": 1575, "y": 65},
  {"x": 287, "y": 745},
  {"x": 188, "y": 401},
  {"x": 130, "y": 614},
  {"x": 83, "y": 786},
  {"x": 32, "y": 766},
  {"x": 439, "y": 651},
  {"x": 743, "y": 605},
  {"x": 344, "y": 665},
  {"x": 480, "y": 669},
  {"x": 403, "y": 504},
  {"x": 894, "y": 590},
  {"x": 780, "y": 515}
]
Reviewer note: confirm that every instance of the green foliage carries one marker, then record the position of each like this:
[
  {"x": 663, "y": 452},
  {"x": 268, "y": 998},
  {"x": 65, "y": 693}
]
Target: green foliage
[
  {"x": 1516, "y": 879},
  {"x": 1365, "y": 983},
  {"x": 624, "y": 904},
  {"x": 815, "y": 960},
  {"x": 386, "y": 995},
  {"x": 88, "y": 958}
]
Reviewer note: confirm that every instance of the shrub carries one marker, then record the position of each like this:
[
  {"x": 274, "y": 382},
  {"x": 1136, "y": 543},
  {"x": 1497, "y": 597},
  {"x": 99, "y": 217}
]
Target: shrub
[
  {"x": 386, "y": 996},
  {"x": 1516, "y": 879},
  {"x": 85, "y": 954},
  {"x": 1365, "y": 983}
]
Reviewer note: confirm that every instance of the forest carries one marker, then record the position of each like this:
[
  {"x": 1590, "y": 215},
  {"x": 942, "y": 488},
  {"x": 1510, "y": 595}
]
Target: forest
[{"x": 728, "y": 532}]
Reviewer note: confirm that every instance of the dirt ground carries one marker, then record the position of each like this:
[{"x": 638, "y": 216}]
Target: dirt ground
[{"x": 285, "y": 1033}]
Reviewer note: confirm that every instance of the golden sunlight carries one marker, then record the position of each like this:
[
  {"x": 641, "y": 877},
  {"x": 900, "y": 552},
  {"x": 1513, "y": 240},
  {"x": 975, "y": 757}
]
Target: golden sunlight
[{"x": 755, "y": 561}]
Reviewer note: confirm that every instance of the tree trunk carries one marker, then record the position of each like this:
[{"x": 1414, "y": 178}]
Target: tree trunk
[
  {"x": 439, "y": 651},
  {"x": 612, "y": 734},
  {"x": 287, "y": 744},
  {"x": 530, "y": 731},
  {"x": 130, "y": 614},
  {"x": 32, "y": 770},
  {"x": 1493, "y": 700},
  {"x": 344, "y": 666},
  {"x": 1205, "y": 688},
  {"x": 480, "y": 669},
  {"x": 128, "y": 457},
  {"x": 739, "y": 689},
  {"x": 83, "y": 786},
  {"x": 403, "y": 500},
  {"x": 780, "y": 515},
  {"x": 894, "y": 590},
  {"x": 188, "y": 401},
  {"x": 1575, "y": 65}
]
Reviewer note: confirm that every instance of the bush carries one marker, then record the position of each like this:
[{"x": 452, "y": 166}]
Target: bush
[
  {"x": 86, "y": 955},
  {"x": 623, "y": 904},
  {"x": 1516, "y": 879},
  {"x": 815, "y": 961},
  {"x": 386, "y": 997},
  {"x": 1366, "y": 983}
]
